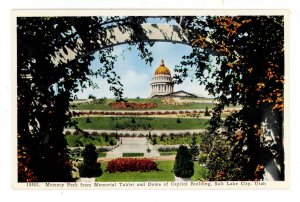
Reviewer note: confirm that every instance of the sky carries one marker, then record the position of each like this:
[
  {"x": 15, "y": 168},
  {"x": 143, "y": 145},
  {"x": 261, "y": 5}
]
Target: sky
[{"x": 136, "y": 75}]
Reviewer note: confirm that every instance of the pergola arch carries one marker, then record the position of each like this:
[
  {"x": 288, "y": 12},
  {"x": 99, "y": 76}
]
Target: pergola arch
[{"x": 116, "y": 36}]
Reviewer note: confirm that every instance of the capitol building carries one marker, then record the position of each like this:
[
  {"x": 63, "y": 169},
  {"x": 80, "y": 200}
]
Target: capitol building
[{"x": 163, "y": 86}]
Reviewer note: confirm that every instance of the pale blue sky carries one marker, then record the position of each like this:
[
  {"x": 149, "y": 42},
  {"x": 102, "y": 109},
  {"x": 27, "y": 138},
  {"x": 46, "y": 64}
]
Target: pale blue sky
[{"x": 136, "y": 75}]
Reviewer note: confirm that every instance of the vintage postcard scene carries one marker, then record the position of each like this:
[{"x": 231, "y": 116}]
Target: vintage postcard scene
[{"x": 182, "y": 101}]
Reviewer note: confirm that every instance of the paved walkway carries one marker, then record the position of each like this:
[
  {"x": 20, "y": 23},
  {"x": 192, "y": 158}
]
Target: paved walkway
[{"x": 133, "y": 145}]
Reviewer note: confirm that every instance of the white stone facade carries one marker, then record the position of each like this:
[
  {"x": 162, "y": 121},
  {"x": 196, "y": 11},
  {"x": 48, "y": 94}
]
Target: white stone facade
[{"x": 161, "y": 85}]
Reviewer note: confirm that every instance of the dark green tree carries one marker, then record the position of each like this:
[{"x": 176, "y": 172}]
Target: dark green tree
[
  {"x": 133, "y": 120},
  {"x": 240, "y": 60},
  {"x": 194, "y": 148},
  {"x": 92, "y": 97},
  {"x": 90, "y": 166},
  {"x": 184, "y": 165},
  {"x": 88, "y": 120},
  {"x": 206, "y": 113},
  {"x": 47, "y": 81}
]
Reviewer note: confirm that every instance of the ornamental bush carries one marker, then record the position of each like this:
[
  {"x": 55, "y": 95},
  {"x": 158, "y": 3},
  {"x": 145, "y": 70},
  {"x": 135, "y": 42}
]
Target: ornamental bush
[
  {"x": 184, "y": 165},
  {"x": 90, "y": 166},
  {"x": 131, "y": 165}
]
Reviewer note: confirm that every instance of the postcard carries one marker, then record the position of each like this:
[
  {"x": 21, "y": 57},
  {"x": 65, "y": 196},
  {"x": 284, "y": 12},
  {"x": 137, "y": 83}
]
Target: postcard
[{"x": 150, "y": 99}]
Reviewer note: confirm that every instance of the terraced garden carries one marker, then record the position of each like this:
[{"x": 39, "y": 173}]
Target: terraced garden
[
  {"x": 105, "y": 104},
  {"x": 140, "y": 123}
]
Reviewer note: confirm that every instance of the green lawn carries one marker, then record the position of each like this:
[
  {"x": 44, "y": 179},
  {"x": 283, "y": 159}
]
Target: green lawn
[
  {"x": 132, "y": 154},
  {"x": 105, "y": 105},
  {"x": 102, "y": 154},
  {"x": 165, "y": 173},
  {"x": 172, "y": 140},
  {"x": 167, "y": 153},
  {"x": 97, "y": 140},
  {"x": 140, "y": 123}
]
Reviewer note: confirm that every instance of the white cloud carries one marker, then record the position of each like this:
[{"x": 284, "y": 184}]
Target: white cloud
[
  {"x": 136, "y": 85},
  {"x": 136, "y": 75}
]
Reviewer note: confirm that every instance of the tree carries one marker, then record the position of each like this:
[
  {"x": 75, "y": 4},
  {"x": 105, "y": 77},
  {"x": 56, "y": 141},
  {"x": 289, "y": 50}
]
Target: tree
[
  {"x": 133, "y": 120},
  {"x": 206, "y": 113},
  {"x": 47, "y": 84},
  {"x": 249, "y": 71},
  {"x": 154, "y": 141},
  {"x": 92, "y": 97},
  {"x": 90, "y": 166},
  {"x": 184, "y": 165},
  {"x": 194, "y": 148},
  {"x": 240, "y": 60},
  {"x": 88, "y": 120}
]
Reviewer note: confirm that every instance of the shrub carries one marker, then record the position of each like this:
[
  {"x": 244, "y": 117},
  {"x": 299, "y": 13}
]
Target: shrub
[
  {"x": 133, "y": 120},
  {"x": 194, "y": 148},
  {"x": 76, "y": 132},
  {"x": 90, "y": 166},
  {"x": 154, "y": 141},
  {"x": 94, "y": 133},
  {"x": 178, "y": 121},
  {"x": 167, "y": 149},
  {"x": 202, "y": 159},
  {"x": 76, "y": 152},
  {"x": 131, "y": 165},
  {"x": 88, "y": 120},
  {"x": 184, "y": 165},
  {"x": 112, "y": 142},
  {"x": 103, "y": 149},
  {"x": 68, "y": 133},
  {"x": 206, "y": 113}
]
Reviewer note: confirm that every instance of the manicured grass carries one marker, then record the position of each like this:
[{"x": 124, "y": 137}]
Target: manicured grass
[
  {"x": 167, "y": 153},
  {"x": 132, "y": 154},
  {"x": 105, "y": 105},
  {"x": 172, "y": 140},
  {"x": 140, "y": 123},
  {"x": 102, "y": 154},
  {"x": 165, "y": 173},
  {"x": 98, "y": 140}
]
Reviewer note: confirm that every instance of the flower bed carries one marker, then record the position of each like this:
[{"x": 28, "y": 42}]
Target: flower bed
[
  {"x": 131, "y": 165},
  {"x": 133, "y": 105}
]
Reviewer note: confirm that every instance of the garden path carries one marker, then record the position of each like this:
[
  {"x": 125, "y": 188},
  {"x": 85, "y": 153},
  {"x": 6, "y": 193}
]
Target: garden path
[{"x": 133, "y": 145}]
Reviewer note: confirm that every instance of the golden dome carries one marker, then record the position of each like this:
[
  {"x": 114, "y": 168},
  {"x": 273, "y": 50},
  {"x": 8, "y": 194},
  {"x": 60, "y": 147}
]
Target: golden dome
[{"x": 162, "y": 69}]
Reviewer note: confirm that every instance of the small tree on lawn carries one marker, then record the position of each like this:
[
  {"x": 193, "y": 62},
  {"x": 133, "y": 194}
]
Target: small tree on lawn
[
  {"x": 133, "y": 121},
  {"x": 92, "y": 97},
  {"x": 184, "y": 165},
  {"x": 194, "y": 148},
  {"x": 206, "y": 113},
  {"x": 88, "y": 120},
  {"x": 154, "y": 141},
  {"x": 90, "y": 167}
]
